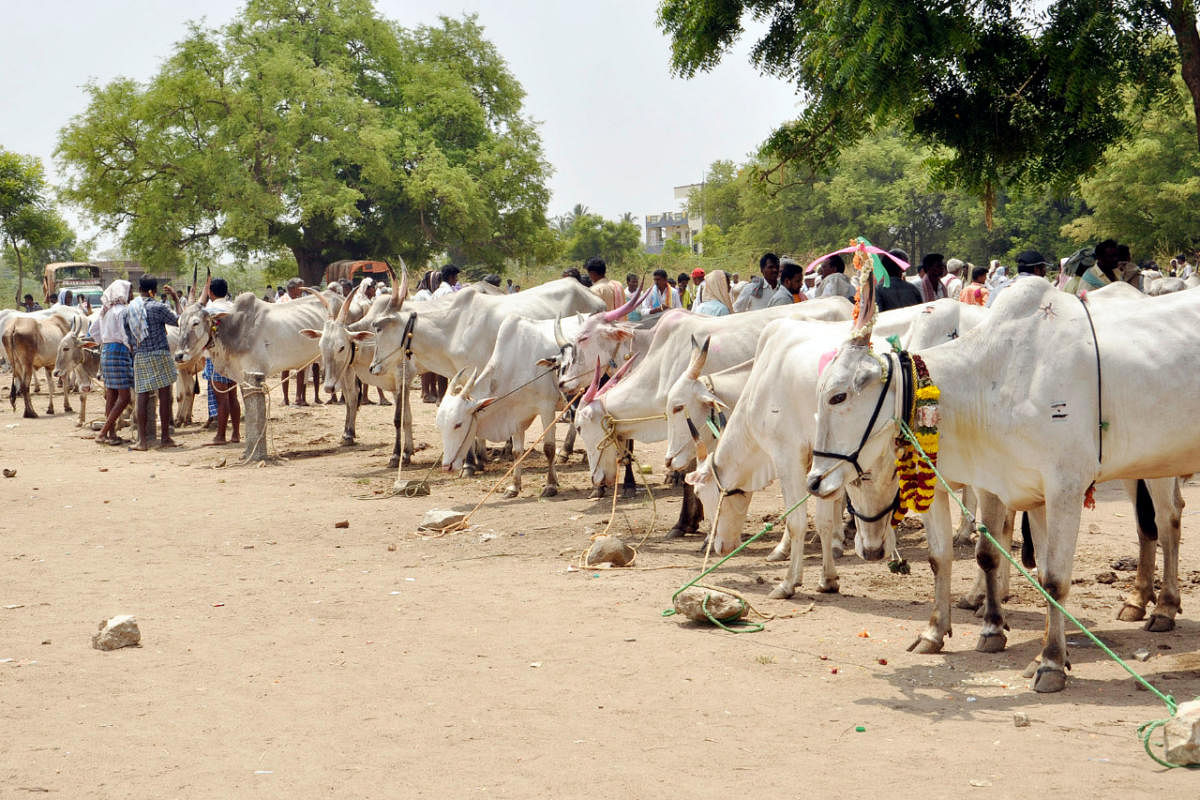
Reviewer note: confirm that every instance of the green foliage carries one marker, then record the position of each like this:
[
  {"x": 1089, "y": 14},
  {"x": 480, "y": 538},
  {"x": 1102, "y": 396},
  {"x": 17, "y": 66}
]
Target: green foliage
[
  {"x": 31, "y": 231},
  {"x": 1007, "y": 94},
  {"x": 880, "y": 188},
  {"x": 585, "y": 235},
  {"x": 318, "y": 128},
  {"x": 1147, "y": 193}
]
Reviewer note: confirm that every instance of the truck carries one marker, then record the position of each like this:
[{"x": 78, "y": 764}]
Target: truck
[{"x": 81, "y": 277}]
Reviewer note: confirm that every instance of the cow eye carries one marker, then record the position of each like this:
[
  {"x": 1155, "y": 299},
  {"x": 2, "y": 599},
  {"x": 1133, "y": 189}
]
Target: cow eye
[
  {"x": 340, "y": 349},
  {"x": 677, "y": 410},
  {"x": 457, "y": 425},
  {"x": 840, "y": 397}
]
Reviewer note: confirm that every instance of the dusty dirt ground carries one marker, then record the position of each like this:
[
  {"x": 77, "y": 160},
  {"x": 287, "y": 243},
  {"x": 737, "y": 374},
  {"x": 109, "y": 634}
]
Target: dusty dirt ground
[{"x": 284, "y": 657}]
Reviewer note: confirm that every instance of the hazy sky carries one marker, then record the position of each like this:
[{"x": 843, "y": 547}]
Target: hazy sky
[{"x": 619, "y": 131}]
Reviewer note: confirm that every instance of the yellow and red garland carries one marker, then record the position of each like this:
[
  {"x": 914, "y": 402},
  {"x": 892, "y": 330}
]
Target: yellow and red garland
[{"x": 917, "y": 478}]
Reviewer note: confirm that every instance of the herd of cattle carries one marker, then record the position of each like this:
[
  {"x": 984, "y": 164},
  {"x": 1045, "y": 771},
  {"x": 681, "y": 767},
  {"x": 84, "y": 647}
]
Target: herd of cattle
[{"x": 1042, "y": 396}]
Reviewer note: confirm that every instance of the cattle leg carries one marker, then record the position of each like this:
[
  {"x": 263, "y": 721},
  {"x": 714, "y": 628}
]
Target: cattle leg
[
  {"x": 1167, "y": 502},
  {"x": 404, "y": 404},
  {"x": 1000, "y": 525},
  {"x": 569, "y": 441},
  {"x": 691, "y": 512},
  {"x": 21, "y": 387},
  {"x": 352, "y": 398},
  {"x": 1134, "y": 609},
  {"x": 548, "y": 449},
  {"x": 795, "y": 526},
  {"x": 1055, "y": 531},
  {"x": 514, "y": 488},
  {"x": 67, "y": 382},
  {"x": 283, "y": 383},
  {"x": 939, "y": 534},
  {"x": 50, "y": 390},
  {"x": 628, "y": 485},
  {"x": 993, "y": 568},
  {"x": 962, "y": 536}
]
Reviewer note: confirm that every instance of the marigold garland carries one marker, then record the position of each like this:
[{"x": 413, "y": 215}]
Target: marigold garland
[{"x": 917, "y": 478}]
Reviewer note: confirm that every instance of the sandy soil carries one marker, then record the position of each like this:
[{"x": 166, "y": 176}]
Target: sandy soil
[{"x": 284, "y": 657}]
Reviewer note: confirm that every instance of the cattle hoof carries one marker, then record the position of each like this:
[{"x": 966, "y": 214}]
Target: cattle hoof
[
  {"x": 1159, "y": 623},
  {"x": 393, "y": 462},
  {"x": 564, "y": 458},
  {"x": 991, "y": 642},
  {"x": 347, "y": 441},
  {"x": 406, "y": 460},
  {"x": 597, "y": 493},
  {"x": 469, "y": 472},
  {"x": 550, "y": 491},
  {"x": 50, "y": 411},
  {"x": 829, "y": 588},
  {"x": 969, "y": 602},
  {"x": 30, "y": 414},
  {"x": 675, "y": 533},
  {"x": 1131, "y": 613},
  {"x": 778, "y": 554},
  {"x": 782, "y": 592},
  {"x": 1049, "y": 679},
  {"x": 963, "y": 540},
  {"x": 1033, "y": 667},
  {"x": 511, "y": 492},
  {"x": 837, "y": 549},
  {"x": 67, "y": 409},
  {"x": 924, "y": 646},
  {"x": 628, "y": 492}
]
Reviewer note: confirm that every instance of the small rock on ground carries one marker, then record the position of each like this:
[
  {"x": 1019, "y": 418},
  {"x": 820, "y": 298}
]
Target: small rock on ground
[
  {"x": 609, "y": 550},
  {"x": 440, "y": 519},
  {"x": 1125, "y": 564},
  {"x": 722, "y": 606},
  {"x": 120, "y": 631},
  {"x": 1106, "y": 577}
]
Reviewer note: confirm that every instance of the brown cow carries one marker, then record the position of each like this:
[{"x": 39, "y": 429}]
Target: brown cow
[{"x": 32, "y": 344}]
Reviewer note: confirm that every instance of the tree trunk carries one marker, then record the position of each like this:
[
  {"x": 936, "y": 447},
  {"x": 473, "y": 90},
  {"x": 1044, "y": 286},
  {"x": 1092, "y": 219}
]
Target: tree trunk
[
  {"x": 310, "y": 265},
  {"x": 20, "y": 269},
  {"x": 1182, "y": 19}
]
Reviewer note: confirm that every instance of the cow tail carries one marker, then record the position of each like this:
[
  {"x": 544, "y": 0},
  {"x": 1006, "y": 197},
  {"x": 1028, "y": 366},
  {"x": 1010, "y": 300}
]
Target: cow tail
[
  {"x": 1143, "y": 506},
  {"x": 1027, "y": 558}
]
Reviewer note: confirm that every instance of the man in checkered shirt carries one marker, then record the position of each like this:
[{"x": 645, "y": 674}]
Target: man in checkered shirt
[{"x": 146, "y": 324}]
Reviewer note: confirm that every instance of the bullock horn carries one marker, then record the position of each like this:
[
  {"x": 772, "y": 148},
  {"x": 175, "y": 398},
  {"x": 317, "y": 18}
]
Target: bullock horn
[
  {"x": 456, "y": 382},
  {"x": 192, "y": 290},
  {"x": 320, "y": 297},
  {"x": 344, "y": 310},
  {"x": 398, "y": 292},
  {"x": 618, "y": 375},
  {"x": 623, "y": 311},
  {"x": 699, "y": 357},
  {"x": 590, "y": 394},
  {"x": 559, "y": 339},
  {"x": 864, "y": 318},
  {"x": 470, "y": 382}
]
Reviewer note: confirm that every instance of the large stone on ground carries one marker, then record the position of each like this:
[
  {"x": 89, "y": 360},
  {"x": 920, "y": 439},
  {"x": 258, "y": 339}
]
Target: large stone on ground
[
  {"x": 441, "y": 519},
  {"x": 120, "y": 631},
  {"x": 410, "y": 488},
  {"x": 609, "y": 550},
  {"x": 1183, "y": 734},
  {"x": 725, "y": 607}
]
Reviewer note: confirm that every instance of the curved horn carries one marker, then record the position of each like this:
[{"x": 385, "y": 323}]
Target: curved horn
[
  {"x": 590, "y": 394},
  {"x": 456, "y": 382},
  {"x": 623, "y": 311},
  {"x": 620, "y": 373},
  {"x": 398, "y": 293},
  {"x": 559, "y": 339},
  {"x": 344, "y": 310},
  {"x": 192, "y": 291},
  {"x": 470, "y": 382},
  {"x": 320, "y": 297},
  {"x": 699, "y": 357}
]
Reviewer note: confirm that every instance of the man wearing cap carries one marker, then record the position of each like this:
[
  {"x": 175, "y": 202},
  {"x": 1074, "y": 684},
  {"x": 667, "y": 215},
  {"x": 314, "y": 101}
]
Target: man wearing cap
[
  {"x": 834, "y": 282},
  {"x": 696, "y": 290},
  {"x": 1030, "y": 264}
]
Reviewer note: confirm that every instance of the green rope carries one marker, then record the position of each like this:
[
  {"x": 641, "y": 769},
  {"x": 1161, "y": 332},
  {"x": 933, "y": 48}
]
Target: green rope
[
  {"x": 754, "y": 627},
  {"x": 1144, "y": 731}
]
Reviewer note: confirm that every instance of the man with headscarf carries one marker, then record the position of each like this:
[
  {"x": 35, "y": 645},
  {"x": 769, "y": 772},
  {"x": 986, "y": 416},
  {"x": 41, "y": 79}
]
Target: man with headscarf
[
  {"x": 713, "y": 299},
  {"x": 955, "y": 272},
  {"x": 146, "y": 324},
  {"x": 116, "y": 363}
]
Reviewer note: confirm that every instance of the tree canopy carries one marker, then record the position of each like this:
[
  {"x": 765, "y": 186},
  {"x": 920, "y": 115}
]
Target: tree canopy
[
  {"x": 31, "y": 230},
  {"x": 1008, "y": 93},
  {"x": 319, "y": 128}
]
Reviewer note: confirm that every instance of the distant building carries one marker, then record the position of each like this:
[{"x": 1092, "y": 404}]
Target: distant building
[{"x": 679, "y": 226}]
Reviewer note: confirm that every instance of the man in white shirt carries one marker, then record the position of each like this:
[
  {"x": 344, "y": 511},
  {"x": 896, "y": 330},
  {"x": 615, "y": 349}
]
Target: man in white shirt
[
  {"x": 953, "y": 282},
  {"x": 761, "y": 288},
  {"x": 662, "y": 296},
  {"x": 834, "y": 282},
  {"x": 449, "y": 283}
]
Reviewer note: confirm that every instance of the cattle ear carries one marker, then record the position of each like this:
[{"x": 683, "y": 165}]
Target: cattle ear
[
  {"x": 621, "y": 333},
  {"x": 547, "y": 362},
  {"x": 89, "y": 344},
  {"x": 362, "y": 336},
  {"x": 310, "y": 333},
  {"x": 484, "y": 403},
  {"x": 218, "y": 315}
]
